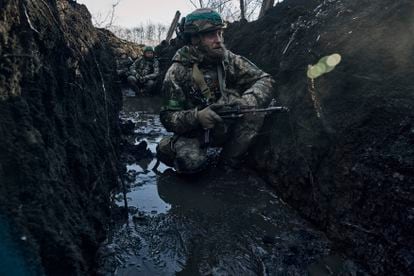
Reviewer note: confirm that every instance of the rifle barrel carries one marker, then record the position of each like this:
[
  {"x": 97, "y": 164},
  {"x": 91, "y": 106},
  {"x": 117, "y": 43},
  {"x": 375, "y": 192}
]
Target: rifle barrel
[
  {"x": 252, "y": 110},
  {"x": 268, "y": 109}
]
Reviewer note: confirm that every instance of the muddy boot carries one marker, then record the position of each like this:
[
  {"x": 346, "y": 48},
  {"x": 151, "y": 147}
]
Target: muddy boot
[
  {"x": 133, "y": 83},
  {"x": 149, "y": 87},
  {"x": 165, "y": 152},
  {"x": 144, "y": 92}
]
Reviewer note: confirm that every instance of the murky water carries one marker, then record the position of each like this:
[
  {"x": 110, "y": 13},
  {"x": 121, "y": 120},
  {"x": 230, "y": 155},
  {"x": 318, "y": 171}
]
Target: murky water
[
  {"x": 13, "y": 257},
  {"x": 214, "y": 224}
]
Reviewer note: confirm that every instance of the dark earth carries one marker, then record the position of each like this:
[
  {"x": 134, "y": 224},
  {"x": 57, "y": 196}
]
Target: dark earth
[
  {"x": 351, "y": 170},
  {"x": 59, "y": 105},
  {"x": 328, "y": 191}
]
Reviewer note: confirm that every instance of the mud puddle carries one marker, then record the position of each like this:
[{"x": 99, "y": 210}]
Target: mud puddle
[{"x": 214, "y": 224}]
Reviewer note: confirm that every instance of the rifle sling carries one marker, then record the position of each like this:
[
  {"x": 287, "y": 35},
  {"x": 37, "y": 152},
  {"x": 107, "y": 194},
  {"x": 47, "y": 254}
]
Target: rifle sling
[
  {"x": 221, "y": 78},
  {"x": 199, "y": 80}
]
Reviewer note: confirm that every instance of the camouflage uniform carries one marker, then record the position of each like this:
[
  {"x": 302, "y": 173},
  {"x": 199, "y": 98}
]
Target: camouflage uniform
[
  {"x": 183, "y": 98},
  {"x": 144, "y": 73},
  {"x": 123, "y": 63}
]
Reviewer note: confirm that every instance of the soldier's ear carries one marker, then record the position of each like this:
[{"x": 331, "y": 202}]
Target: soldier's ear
[{"x": 195, "y": 40}]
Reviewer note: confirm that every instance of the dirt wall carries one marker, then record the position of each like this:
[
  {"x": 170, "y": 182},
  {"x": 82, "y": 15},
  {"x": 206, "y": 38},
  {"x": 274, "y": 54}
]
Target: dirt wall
[
  {"x": 59, "y": 103},
  {"x": 350, "y": 169}
]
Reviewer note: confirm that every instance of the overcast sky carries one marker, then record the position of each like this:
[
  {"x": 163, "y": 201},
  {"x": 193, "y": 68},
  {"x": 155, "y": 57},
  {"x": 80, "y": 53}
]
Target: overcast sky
[{"x": 130, "y": 13}]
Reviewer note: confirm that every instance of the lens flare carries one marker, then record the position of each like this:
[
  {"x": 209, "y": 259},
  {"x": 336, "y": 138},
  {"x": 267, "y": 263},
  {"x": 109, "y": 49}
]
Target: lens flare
[
  {"x": 333, "y": 60},
  {"x": 325, "y": 65}
]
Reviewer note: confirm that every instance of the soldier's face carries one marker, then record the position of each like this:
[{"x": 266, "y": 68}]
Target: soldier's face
[
  {"x": 149, "y": 54},
  {"x": 212, "y": 43}
]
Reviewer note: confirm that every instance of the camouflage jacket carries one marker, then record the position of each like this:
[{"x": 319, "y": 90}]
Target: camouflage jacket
[
  {"x": 146, "y": 68},
  {"x": 241, "y": 78},
  {"x": 123, "y": 65}
]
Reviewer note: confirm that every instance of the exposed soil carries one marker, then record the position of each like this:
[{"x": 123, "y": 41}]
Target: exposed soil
[
  {"x": 59, "y": 105},
  {"x": 351, "y": 169}
]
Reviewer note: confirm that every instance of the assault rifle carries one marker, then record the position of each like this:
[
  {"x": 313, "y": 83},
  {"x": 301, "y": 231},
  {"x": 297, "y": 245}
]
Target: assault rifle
[{"x": 233, "y": 111}]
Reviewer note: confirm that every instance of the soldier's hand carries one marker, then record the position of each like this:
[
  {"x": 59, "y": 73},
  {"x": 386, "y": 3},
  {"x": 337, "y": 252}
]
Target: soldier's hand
[
  {"x": 140, "y": 78},
  {"x": 208, "y": 118}
]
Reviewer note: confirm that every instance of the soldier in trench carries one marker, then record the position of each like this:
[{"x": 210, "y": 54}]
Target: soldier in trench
[
  {"x": 123, "y": 63},
  {"x": 204, "y": 76},
  {"x": 144, "y": 72}
]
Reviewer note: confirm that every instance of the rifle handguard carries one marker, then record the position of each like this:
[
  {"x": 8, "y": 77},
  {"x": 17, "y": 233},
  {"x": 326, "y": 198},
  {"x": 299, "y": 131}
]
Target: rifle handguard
[{"x": 239, "y": 111}]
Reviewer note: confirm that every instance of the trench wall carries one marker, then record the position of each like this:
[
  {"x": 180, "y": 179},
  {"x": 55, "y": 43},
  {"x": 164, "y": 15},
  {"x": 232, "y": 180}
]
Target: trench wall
[
  {"x": 344, "y": 157},
  {"x": 59, "y": 132}
]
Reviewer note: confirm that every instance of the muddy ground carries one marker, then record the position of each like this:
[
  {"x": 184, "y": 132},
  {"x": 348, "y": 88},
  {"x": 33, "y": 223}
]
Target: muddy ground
[{"x": 215, "y": 223}]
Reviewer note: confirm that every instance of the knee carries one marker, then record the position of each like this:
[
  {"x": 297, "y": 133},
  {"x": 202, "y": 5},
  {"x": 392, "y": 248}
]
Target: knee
[
  {"x": 184, "y": 154},
  {"x": 250, "y": 123},
  {"x": 132, "y": 80},
  {"x": 190, "y": 157}
]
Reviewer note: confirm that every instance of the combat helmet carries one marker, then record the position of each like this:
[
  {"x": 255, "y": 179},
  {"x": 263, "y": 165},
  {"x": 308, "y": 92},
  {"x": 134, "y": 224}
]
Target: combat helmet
[
  {"x": 148, "y": 49},
  {"x": 202, "y": 20}
]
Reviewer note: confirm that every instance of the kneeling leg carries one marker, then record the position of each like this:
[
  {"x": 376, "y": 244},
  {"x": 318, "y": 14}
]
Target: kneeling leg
[{"x": 184, "y": 154}]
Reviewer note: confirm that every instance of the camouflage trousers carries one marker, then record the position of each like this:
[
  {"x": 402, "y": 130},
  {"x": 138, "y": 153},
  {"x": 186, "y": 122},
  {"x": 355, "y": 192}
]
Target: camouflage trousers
[
  {"x": 139, "y": 87},
  {"x": 188, "y": 154}
]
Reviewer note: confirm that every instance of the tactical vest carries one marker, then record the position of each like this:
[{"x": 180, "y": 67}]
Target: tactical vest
[{"x": 211, "y": 84}]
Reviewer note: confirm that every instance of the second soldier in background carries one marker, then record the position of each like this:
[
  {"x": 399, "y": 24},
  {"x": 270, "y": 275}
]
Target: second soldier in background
[{"x": 144, "y": 72}]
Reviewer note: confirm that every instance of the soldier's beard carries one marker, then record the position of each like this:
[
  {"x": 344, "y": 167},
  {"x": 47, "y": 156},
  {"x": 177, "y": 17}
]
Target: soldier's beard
[{"x": 213, "y": 54}]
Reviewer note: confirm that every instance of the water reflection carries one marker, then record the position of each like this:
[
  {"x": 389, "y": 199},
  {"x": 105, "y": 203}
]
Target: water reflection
[
  {"x": 143, "y": 193},
  {"x": 216, "y": 223},
  {"x": 13, "y": 256}
]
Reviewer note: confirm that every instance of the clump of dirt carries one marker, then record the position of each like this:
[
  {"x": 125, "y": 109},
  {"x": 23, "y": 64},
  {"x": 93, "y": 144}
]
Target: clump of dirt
[
  {"x": 120, "y": 46},
  {"x": 59, "y": 105},
  {"x": 349, "y": 168}
]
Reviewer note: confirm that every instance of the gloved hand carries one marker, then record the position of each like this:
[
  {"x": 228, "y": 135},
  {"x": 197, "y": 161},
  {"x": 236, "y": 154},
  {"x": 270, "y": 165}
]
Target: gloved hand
[
  {"x": 208, "y": 118},
  {"x": 139, "y": 78}
]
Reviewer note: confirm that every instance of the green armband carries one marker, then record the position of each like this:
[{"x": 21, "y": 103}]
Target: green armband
[{"x": 173, "y": 105}]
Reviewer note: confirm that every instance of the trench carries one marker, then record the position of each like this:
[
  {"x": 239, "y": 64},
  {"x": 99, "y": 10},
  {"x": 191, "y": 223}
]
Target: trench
[{"x": 218, "y": 223}]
